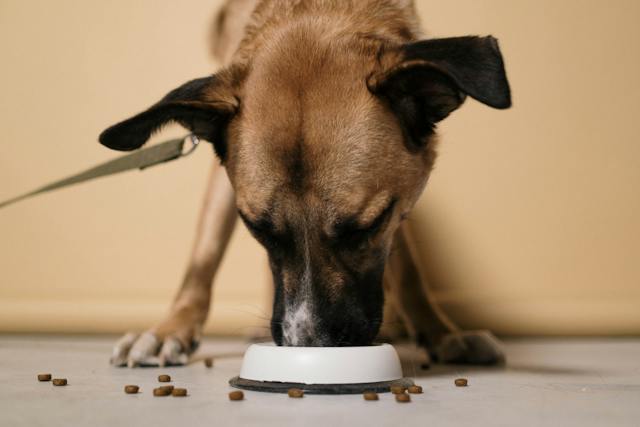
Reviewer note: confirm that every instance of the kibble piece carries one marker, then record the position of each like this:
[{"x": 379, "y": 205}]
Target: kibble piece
[
  {"x": 461, "y": 382},
  {"x": 370, "y": 395},
  {"x": 403, "y": 397},
  {"x": 44, "y": 377},
  {"x": 164, "y": 378},
  {"x": 295, "y": 392},
  {"x": 167, "y": 388},
  {"x": 179, "y": 392},
  {"x": 131, "y": 389},
  {"x": 208, "y": 362},
  {"x": 236, "y": 395},
  {"x": 415, "y": 389},
  {"x": 398, "y": 389},
  {"x": 161, "y": 391},
  {"x": 59, "y": 381}
]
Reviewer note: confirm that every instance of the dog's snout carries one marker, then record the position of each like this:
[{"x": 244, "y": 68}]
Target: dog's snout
[
  {"x": 299, "y": 326},
  {"x": 325, "y": 296},
  {"x": 319, "y": 323}
]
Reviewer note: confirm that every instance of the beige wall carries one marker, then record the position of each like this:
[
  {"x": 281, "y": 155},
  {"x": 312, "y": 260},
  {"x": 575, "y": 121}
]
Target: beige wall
[{"x": 530, "y": 223}]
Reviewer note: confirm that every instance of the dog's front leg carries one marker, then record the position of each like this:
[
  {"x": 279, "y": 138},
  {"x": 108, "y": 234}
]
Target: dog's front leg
[
  {"x": 406, "y": 286},
  {"x": 173, "y": 339}
]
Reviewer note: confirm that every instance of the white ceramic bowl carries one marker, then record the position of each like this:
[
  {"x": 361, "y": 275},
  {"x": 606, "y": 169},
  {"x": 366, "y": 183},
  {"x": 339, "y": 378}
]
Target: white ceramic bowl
[{"x": 321, "y": 365}]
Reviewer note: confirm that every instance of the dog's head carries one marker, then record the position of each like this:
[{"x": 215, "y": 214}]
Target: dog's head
[{"x": 328, "y": 146}]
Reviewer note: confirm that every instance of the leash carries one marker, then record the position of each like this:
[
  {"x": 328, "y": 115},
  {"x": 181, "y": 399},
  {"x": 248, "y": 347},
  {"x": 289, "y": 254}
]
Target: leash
[{"x": 141, "y": 159}]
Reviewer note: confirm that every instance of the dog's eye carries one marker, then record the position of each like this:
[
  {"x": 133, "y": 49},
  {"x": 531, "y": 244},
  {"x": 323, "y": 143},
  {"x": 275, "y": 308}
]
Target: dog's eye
[
  {"x": 356, "y": 234},
  {"x": 257, "y": 227},
  {"x": 351, "y": 231},
  {"x": 262, "y": 230}
]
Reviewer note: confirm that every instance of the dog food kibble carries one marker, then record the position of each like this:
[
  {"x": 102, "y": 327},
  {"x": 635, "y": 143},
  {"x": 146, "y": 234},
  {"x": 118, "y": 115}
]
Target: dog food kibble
[
  {"x": 236, "y": 395},
  {"x": 370, "y": 396},
  {"x": 164, "y": 378},
  {"x": 44, "y": 377},
  {"x": 398, "y": 389},
  {"x": 208, "y": 362},
  {"x": 403, "y": 397},
  {"x": 415, "y": 389},
  {"x": 131, "y": 389},
  {"x": 59, "y": 381},
  {"x": 179, "y": 392},
  {"x": 167, "y": 388},
  {"x": 295, "y": 392},
  {"x": 461, "y": 382},
  {"x": 161, "y": 391}
]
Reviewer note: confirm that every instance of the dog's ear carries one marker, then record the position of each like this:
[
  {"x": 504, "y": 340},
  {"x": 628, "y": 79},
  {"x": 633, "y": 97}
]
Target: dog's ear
[
  {"x": 425, "y": 81},
  {"x": 204, "y": 106}
]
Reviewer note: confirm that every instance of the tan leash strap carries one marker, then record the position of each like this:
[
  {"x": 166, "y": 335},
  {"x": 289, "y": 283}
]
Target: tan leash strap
[{"x": 140, "y": 159}]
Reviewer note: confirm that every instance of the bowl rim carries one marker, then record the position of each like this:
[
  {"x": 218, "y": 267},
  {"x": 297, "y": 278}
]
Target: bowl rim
[{"x": 321, "y": 365}]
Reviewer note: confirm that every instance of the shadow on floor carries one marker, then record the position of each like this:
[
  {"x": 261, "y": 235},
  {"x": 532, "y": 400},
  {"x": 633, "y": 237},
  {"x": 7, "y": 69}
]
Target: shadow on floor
[{"x": 415, "y": 364}]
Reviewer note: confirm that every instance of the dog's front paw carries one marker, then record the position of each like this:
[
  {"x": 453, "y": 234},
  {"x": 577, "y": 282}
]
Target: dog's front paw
[
  {"x": 470, "y": 347},
  {"x": 160, "y": 346}
]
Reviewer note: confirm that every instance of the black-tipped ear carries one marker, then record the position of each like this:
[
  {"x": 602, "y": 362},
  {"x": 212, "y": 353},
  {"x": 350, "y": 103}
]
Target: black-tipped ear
[
  {"x": 203, "y": 106},
  {"x": 431, "y": 78},
  {"x": 474, "y": 63}
]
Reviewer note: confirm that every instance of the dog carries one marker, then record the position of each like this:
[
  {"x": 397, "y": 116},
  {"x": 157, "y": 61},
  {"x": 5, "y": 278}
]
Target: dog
[{"x": 324, "y": 123}]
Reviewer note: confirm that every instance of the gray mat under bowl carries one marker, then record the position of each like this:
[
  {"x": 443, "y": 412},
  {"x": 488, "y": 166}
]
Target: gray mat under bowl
[{"x": 283, "y": 387}]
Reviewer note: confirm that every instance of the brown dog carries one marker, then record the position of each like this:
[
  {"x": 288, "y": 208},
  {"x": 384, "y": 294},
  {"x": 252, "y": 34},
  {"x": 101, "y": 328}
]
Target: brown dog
[{"x": 324, "y": 120}]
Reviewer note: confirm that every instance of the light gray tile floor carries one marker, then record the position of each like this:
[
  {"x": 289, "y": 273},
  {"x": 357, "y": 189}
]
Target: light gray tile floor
[{"x": 559, "y": 382}]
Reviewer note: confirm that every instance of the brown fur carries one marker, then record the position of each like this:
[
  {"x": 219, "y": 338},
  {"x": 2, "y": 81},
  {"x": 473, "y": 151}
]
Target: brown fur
[
  {"x": 297, "y": 116},
  {"x": 311, "y": 145}
]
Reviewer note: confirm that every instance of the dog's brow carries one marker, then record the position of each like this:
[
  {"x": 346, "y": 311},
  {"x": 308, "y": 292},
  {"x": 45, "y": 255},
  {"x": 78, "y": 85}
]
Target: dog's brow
[
  {"x": 263, "y": 221},
  {"x": 353, "y": 221}
]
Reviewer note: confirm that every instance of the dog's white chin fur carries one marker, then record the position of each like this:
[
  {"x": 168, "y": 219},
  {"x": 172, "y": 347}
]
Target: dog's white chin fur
[{"x": 298, "y": 324}]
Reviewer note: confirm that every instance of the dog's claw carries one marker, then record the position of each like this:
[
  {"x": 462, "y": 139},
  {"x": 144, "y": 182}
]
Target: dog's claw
[
  {"x": 172, "y": 353},
  {"x": 122, "y": 348},
  {"x": 133, "y": 350},
  {"x": 143, "y": 350}
]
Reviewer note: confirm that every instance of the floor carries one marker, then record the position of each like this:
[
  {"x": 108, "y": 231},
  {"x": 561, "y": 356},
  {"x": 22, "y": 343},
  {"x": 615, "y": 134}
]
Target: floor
[{"x": 547, "y": 382}]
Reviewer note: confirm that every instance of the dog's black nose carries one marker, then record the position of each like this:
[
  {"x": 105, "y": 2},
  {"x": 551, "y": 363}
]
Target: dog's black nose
[{"x": 319, "y": 331}]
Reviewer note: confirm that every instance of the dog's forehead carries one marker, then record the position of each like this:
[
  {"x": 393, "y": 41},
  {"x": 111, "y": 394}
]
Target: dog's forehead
[
  {"x": 336, "y": 151},
  {"x": 310, "y": 129}
]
